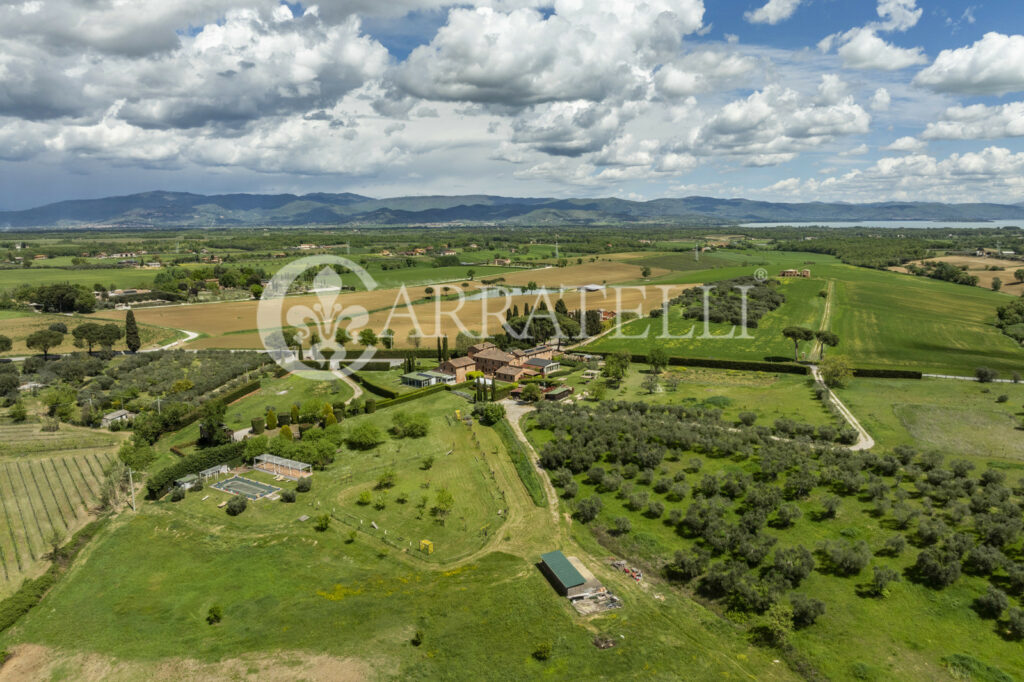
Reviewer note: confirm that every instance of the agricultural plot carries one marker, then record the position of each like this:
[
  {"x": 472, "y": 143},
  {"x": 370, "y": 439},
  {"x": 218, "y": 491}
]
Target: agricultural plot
[
  {"x": 112, "y": 278},
  {"x": 770, "y": 396},
  {"x": 957, "y": 418},
  {"x": 18, "y": 326},
  {"x": 886, "y": 320},
  {"x": 234, "y": 324},
  {"x": 803, "y": 307},
  {"x": 980, "y": 267},
  {"x": 912, "y": 632},
  {"x": 46, "y": 485}
]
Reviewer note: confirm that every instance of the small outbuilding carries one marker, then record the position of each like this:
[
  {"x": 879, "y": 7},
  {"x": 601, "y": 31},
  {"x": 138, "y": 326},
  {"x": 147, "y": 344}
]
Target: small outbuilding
[
  {"x": 116, "y": 416},
  {"x": 564, "y": 577},
  {"x": 569, "y": 576}
]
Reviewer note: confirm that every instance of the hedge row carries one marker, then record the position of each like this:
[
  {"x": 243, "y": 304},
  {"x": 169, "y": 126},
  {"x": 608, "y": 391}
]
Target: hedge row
[
  {"x": 148, "y": 296},
  {"x": 382, "y": 391},
  {"x": 159, "y": 482},
  {"x": 371, "y": 366},
  {"x": 887, "y": 373},
  {"x": 240, "y": 392},
  {"x": 521, "y": 460},
  {"x": 32, "y": 591},
  {"x": 748, "y": 365},
  {"x": 412, "y": 395}
]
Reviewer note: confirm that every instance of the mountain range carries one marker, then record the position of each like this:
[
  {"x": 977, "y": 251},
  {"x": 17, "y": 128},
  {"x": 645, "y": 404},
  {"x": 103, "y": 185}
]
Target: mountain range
[{"x": 181, "y": 209}]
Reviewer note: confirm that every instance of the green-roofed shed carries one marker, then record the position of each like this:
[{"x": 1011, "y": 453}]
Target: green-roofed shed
[{"x": 562, "y": 574}]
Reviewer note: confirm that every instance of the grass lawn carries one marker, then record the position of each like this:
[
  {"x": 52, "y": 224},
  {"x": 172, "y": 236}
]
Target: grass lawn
[
  {"x": 956, "y": 417},
  {"x": 279, "y": 393},
  {"x": 905, "y": 637},
  {"x": 803, "y": 307}
]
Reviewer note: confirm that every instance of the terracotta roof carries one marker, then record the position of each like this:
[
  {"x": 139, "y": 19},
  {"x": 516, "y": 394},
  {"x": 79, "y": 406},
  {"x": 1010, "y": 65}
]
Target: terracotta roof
[
  {"x": 495, "y": 354},
  {"x": 460, "y": 362}
]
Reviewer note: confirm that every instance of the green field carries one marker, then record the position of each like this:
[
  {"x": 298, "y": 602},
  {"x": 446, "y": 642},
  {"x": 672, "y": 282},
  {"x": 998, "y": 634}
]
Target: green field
[
  {"x": 890, "y": 320},
  {"x": 287, "y": 591},
  {"x": 803, "y": 307},
  {"x": 112, "y": 278},
  {"x": 883, "y": 319},
  {"x": 955, "y": 417},
  {"x": 770, "y": 396},
  {"x": 47, "y": 481}
]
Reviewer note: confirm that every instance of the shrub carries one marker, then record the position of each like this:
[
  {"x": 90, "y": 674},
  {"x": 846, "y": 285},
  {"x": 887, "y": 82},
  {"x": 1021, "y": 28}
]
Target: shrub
[
  {"x": 622, "y": 525},
  {"x": 747, "y": 418},
  {"x": 365, "y": 498},
  {"x": 322, "y": 523},
  {"x": 288, "y": 496},
  {"x": 985, "y": 374},
  {"x": 1002, "y": 398},
  {"x": 237, "y": 505},
  {"x": 1015, "y": 623},
  {"x": 364, "y": 436},
  {"x": 304, "y": 485},
  {"x": 992, "y": 603},
  {"x": 177, "y": 495},
  {"x": 806, "y": 610},
  {"x": 543, "y": 651},
  {"x": 588, "y": 508},
  {"x": 214, "y": 615}
]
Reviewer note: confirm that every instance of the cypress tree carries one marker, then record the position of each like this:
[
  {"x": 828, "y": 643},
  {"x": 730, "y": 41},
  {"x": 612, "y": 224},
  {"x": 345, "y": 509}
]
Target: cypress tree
[
  {"x": 560, "y": 307},
  {"x": 131, "y": 332},
  {"x": 439, "y": 358},
  {"x": 444, "y": 351}
]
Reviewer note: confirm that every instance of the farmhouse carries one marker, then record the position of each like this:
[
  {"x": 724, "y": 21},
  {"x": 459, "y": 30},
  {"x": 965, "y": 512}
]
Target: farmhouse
[
  {"x": 502, "y": 261},
  {"x": 491, "y": 360},
  {"x": 509, "y": 373},
  {"x": 795, "y": 273},
  {"x": 457, "y": 367},
  {"x": 115, "y": 417},
  {"x": 521, "y": 356},
  {"x": 569, "y": 576}
]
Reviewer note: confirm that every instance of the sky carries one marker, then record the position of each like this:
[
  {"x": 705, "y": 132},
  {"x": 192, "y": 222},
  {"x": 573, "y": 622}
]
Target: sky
[{"x": 780, "y": 100}]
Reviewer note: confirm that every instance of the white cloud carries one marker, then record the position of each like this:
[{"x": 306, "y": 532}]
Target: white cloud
[
  {"x": 774, "y": 123},
  {"x": 704, "y": 71},
  {"x": 898, "y": 15},
  {"x": 905, "y": 144},
  {"x": 773, "y": 12},
  {"x": 993, "y": 65},
  {"x": 978, "y": 122},
  {"x": 586, "y": 51},
  {"x": 861, "y": 48},
  {"x": 881, "y": 100}
]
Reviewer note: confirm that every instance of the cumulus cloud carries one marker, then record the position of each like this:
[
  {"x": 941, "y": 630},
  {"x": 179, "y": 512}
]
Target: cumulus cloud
[
  {"x": 905, "y": 144},
  {"x": 773, "y": 12},
  {"x": 582, "y": 50},
  {"x": 978, "y": 122},
  {"x": 704, "y": 71},
  {"x": 881, "y": 100},
  {"x": 774, "y": 123},
  {"x": 993, "y": 65},
  {"x": 862, "y": 48},
  {"x": 243, "y": 68}
]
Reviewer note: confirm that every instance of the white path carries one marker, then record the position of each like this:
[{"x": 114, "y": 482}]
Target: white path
[{"x": 864, "y": 439}]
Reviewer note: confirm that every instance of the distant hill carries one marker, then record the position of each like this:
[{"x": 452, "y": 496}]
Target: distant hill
[{"x": 181, "y": 209}]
